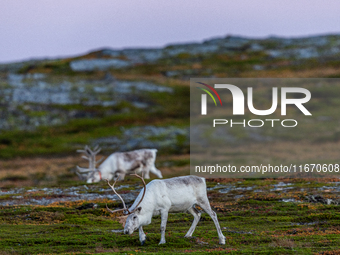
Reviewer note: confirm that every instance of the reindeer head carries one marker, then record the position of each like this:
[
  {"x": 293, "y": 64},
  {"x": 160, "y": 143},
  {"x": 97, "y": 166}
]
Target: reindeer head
[
  {"x": 91, "y": 173},
  {"x": 94, "y": 176},
  {"x": 132, "y": 221},
  {"x": 131, "y": 217}
]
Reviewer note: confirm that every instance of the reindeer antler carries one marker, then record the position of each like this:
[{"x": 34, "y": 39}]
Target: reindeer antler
[
  {"x": 113, "y": 188},
  {"x": 125, "y": 209},
  {"x": 91, "y": 157},
  {"x": 142, "y": 178}
]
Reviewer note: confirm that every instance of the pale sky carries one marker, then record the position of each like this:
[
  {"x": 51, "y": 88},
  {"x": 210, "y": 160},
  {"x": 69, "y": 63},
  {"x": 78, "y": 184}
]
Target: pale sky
[{"x": 54, "y": 28}]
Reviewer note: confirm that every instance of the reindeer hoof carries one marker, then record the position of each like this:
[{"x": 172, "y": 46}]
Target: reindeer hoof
[
  {"x": 142, "y": 242},
  {"x": 161, "y": 242}
]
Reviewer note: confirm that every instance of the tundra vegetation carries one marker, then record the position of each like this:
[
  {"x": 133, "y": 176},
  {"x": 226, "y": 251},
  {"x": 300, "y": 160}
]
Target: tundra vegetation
[{"x": 51, "y": 108}]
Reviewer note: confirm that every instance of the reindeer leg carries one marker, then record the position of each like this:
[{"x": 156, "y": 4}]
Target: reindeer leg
[
  {"x": 146, "y": 174},
  {"x": 142, "y": 236},
  {"x": 150, "y": 166},
  {"x": 140, "y": 168},
  {"x": 197, "y": 216},
  {"x": 121, "y": 176},
  {"x": 164, "y": 217},
  {"x": 205, "y": 205},
  {"x": 145, "y": 170},
  {"x": 156, "y": 172}
]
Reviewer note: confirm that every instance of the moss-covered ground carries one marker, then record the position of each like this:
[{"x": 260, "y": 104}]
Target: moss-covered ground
[{"x": 252, "y": 215}]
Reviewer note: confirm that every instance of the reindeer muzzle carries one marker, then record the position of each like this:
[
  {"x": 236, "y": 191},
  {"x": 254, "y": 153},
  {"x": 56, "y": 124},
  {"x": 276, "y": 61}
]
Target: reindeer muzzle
[{"x": 127, "y": 232}]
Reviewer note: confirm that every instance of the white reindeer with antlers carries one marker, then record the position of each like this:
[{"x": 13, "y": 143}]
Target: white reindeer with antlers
[
  {"x": 118, "y": 164},
  {"x": 159, "y": 197}
]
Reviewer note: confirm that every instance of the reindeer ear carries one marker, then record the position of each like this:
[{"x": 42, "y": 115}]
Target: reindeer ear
[
  {"x": 122, "y": 220},
  {"x": 138, "y": 209}
]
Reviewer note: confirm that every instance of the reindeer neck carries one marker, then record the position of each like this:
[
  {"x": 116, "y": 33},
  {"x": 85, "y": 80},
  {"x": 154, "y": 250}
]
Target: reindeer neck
[{"x": 146, "y": 204}]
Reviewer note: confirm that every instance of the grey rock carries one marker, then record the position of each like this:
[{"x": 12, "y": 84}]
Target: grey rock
[
  {"x": 98, "y": 64},
  {"x": 24, "y": 94},
  {"x": 69, "y": 194},
  {"x": 258, "y": 67},
  {"x": 321, "y": 199},
  {"x": 153, "y": 137},
  {"x": 290, "y": 200}
]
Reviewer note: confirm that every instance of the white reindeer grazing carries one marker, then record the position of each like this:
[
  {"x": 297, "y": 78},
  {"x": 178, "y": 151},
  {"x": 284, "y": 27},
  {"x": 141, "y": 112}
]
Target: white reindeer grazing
[
  {"x": 159, "y": 197},
  {"x": 118, "y": 164}
]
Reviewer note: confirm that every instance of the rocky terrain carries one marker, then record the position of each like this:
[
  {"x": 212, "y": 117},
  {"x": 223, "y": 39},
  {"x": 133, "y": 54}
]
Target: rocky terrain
[
  {"x": 33, "y": 100},
  {"x": 108, "y": 82},
  {"x": 111, "y": 82}
]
